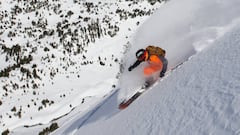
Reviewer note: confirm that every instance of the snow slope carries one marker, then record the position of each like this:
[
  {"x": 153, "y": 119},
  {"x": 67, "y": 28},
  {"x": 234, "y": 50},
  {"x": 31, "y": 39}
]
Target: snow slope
[
  {"x": 61, "y": 57},
  {"x": 200, "y": 97},
  {"x": 182, "y": 28}
]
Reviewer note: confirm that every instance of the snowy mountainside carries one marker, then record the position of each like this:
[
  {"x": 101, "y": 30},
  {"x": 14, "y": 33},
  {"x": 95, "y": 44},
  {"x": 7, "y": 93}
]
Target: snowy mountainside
[
  {"x": 200, "y": 97},
  {"x": 52, "y": 52},
  {"x": 72, "y": 84},
  {"x": 183, "y": 29}
]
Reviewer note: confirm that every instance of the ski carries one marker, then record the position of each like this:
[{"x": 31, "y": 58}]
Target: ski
[{"x": 125, "y": 103}]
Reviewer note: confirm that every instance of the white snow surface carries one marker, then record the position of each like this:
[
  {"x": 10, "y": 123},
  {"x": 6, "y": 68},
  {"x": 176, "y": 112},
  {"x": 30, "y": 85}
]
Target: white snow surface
[
  {"x": 182, "y": 28},
  {"x": 200, "y": 97}
]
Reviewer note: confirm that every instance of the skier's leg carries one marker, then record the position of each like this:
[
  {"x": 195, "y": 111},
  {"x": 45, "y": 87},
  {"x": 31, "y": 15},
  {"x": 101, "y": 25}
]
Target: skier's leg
[
  {"x": 151, "y": 69},
  {"x": 150, "y": 73}
]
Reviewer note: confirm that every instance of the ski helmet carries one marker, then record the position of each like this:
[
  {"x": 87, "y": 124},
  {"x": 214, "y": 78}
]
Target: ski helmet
[{"x": 141, "y": 54}]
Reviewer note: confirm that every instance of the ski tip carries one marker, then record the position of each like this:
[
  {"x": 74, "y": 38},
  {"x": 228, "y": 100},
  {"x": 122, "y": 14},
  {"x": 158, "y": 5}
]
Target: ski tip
[{"x": 122, "y": 106}]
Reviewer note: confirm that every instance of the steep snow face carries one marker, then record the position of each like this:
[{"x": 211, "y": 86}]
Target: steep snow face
[
  {"x": 182, "y": 28},
  {"x": 200, "y": 97},
  {"x": 59, "y": 55}
]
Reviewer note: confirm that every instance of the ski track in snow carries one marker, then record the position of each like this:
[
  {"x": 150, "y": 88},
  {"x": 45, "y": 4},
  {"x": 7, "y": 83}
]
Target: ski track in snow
[{"x": 105, "y": 109}]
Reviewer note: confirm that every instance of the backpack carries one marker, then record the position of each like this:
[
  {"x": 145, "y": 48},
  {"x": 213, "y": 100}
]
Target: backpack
[{"x": 155, "y": 50}]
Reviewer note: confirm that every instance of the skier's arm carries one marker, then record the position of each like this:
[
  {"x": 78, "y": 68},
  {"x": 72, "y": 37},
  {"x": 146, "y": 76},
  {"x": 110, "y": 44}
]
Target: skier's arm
[{"x": 134, "y": 65}]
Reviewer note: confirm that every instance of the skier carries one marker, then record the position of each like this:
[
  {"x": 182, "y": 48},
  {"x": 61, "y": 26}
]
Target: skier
[{"x": 155, "y": 56}]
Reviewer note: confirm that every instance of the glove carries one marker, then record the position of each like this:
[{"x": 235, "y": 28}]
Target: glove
[
  {"x": 161, "y": 74},
  {"x": 130, "y": 69}
]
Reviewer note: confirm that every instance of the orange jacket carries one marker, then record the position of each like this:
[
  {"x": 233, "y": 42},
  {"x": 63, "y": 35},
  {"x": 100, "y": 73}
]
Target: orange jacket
[{"x": 156, "y": 64}]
